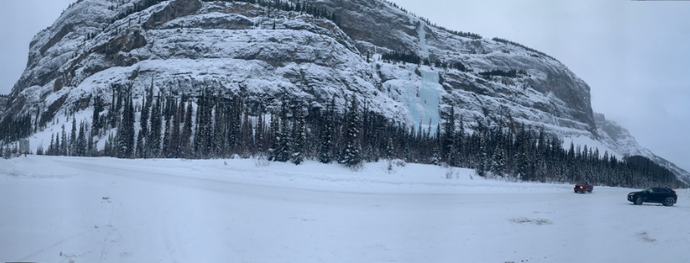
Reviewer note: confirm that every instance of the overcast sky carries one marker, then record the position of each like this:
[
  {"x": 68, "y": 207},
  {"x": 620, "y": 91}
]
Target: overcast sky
[{"x": 635, "y": 55}]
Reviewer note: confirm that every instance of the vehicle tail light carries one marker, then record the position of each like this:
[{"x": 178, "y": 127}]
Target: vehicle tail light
[{"x": 674, "y": 192}]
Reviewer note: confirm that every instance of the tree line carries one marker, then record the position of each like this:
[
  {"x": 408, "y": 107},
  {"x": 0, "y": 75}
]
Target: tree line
[
  {"x": 216, "y": 125},
  {"x": 505, "y": 41},
  {"x": 413, "y": 58},
  {"x": 502, "y": 73},
  {"x": 288, "y": 6}
]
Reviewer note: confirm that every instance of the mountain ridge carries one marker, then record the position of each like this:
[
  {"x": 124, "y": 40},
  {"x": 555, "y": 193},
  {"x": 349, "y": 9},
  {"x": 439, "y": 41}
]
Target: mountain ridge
[{"x": 265, "y": 52}]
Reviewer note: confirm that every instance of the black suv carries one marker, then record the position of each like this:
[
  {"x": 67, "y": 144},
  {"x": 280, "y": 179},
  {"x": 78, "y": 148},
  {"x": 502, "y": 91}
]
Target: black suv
[{"x": 662, "y": 195}]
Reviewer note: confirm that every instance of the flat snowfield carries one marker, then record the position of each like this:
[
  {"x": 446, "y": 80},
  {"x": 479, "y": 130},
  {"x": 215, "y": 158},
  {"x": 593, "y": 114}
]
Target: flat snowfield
[{"x": 60, "y": 209}]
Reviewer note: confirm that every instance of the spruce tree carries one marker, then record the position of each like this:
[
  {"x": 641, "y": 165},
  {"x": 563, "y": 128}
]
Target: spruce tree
[
  {"x": 219, "y": 129},
  {"x": 56, "y": 149},
  {"x": 283, "y": 136},
  {"x": 448, "y": 136},
  {"x": 259, "y": 132},
  {"x": 167, "y": 137},
  {"x": 81, "y": 140},
  {"x": 498, "y": 161},
  {"x": 96, "y": 122},
  {"x": 140, "y": 148},
  {"x": 52, "y": 145},
  {"x": 234, "y": 122},
  {"x": 129, "y": 126},
  {"x": 64, "y": 146},
  {"x": 175, "y": 134},
  {"x": 299, "y": 138},
  {"x": 247, "y": 128},
  {"x": 351, "y": 155},
  {"x": 186, "y": 139},
  {"x": 73, "y": 138},
  {"x": 326, "y": 149},
  {"x": 125, "y": 133},
  {"x": 153, "y": 142},
  {"x": 274, "y": 134},
  {"x": 482, "y": 158}
]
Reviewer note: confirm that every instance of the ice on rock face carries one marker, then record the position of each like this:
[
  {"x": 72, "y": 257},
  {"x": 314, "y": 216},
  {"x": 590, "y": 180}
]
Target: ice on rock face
[{"x": 422, "y": 40}]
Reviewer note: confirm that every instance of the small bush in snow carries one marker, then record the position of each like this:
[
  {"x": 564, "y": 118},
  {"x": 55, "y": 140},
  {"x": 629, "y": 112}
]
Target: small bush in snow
[
  {"x": 399, "y": 162},
  {"x": 450, "y": 173},
  {"x": 262, "y": 161},
  {"x": 357, "y": 167}
]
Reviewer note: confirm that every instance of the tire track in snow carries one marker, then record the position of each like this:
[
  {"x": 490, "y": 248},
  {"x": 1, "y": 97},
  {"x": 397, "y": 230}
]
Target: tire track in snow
[
  {"x": 110, "y": 227},
  {"x": 40, "y": 251}
]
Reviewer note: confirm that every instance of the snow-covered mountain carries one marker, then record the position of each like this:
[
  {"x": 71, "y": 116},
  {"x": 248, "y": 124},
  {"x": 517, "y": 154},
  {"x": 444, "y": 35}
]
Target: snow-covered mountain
[
  {"x": 311, "y": 50},
  {"x": 3, "y": 104}
]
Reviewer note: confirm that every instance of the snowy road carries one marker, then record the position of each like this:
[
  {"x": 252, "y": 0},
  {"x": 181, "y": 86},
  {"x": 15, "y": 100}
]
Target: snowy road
[{"x": 107, "y": 210}]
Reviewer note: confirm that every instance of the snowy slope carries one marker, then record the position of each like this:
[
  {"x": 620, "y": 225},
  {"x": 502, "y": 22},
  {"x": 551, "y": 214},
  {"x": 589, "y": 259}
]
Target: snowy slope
[{"x": 58, "y": 209}]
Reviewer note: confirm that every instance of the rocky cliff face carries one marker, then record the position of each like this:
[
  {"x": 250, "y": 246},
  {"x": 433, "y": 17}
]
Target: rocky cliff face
[
  {"x": 186, "y": 45},
  {"x": 4, "y": 99},
  {"x": 267, "y": 52}
]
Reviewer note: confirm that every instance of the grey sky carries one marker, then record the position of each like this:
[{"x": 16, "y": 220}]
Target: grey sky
[{"x": 635, "y": 55}]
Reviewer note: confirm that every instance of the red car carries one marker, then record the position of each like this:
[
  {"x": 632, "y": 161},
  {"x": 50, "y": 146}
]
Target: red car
[{"x": 583, "y": 186}]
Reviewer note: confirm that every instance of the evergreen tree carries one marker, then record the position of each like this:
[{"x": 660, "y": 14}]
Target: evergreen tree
[
  {"x": 90, "y": 146},
  {"x": 185, "y": 140},
  {"x": 73, "y": 138},
  {"x": 64, "y": 146},
  {"x": 219, "y": 129},
  {"x": 299, "y": 138},
  {"x": 352, "y": 152},
  {"x": 51, "y": 147},
  {"x": 140, "y": 148},
  {"x": 81, "y": 140},
  {"x": 56, "y": 149},
  {"x": 234, "y": 123},
  {"x": 482, "y": 159},
  {"x": 282, "y": 153},
  {"x": 204, "y": 136},
  {"x": 247, "y": 135},
  {"x": 153, "y": 142},
  {"x": 498, "y": 162},
  {"x": 389, "y": 149},
  {"x": 167, "y": 137},
  {"x": 125, "y": 133},
  {"x": 259, "y": 132},
  {"x": 448, "y": 140},
  {"x": 96, "y": 122},
  {"x": 175, "y": 134},
  {"x": 326, "y": 149},
  {"x": 144, "y": 121},
  {"x": 274, "y": 134}
]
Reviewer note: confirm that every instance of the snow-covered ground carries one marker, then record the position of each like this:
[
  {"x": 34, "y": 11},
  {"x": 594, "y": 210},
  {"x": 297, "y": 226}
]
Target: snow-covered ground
[{"x": 60, "y": 209}]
